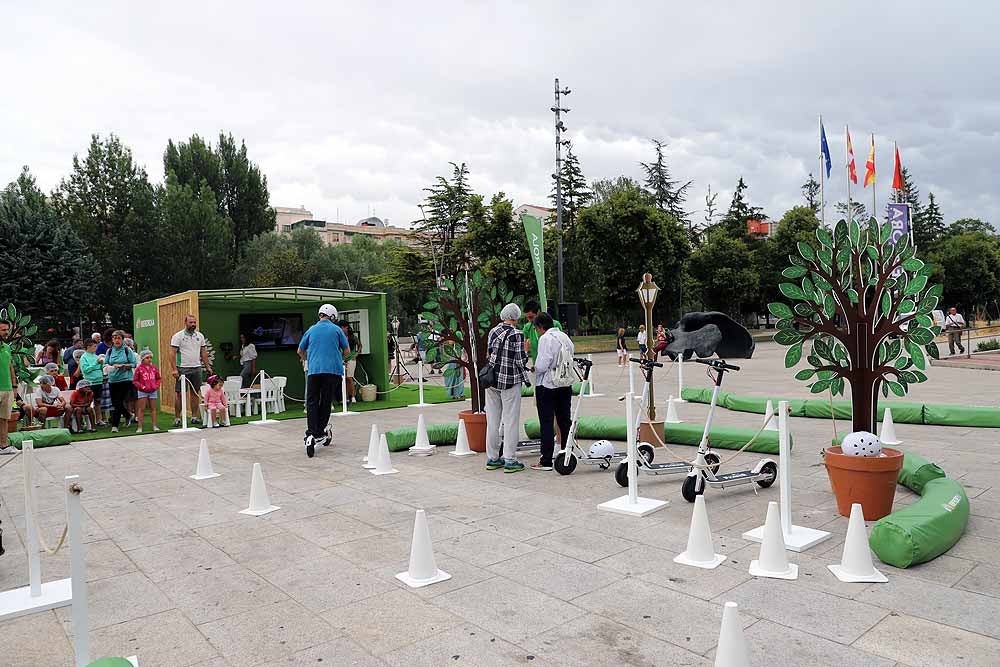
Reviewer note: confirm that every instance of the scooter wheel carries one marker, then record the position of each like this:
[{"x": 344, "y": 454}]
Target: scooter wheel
[
  {"x": 770, "y": 472},
  {"x": 564, "y": 463},
  {"x": 621, "y": 474},
  {"x": 713, "y": 460},
  {"x": 646, "y": 452},
  {"x": 689, "y": 489}
]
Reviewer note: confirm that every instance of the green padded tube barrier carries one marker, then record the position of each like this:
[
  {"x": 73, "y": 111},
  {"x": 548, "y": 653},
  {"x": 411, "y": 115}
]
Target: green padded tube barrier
[
  {"x": 530, "y": 391},
  {"x": 941, "y": 414},
  {"x": 43, "y": 437},
  {"x": 400, "y": 439}
]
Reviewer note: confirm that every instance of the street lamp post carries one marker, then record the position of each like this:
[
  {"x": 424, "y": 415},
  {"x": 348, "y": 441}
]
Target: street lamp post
[{"x": 647, "y": 292}]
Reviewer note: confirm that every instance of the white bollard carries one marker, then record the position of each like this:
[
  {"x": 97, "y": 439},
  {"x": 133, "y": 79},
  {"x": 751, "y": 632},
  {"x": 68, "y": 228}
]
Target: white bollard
[
  {"x": 343, "y": 397},
  {"x": 420, "y": 385},
  {"x": 184, "y": 410},
  {"x": 30, "y": 506},
  {"x": 631, "y": 376},
  {"x": 632, "y": 504},
  {"x": 680, "y": 379},
  {"x": 263, "y": 404},
  {"x": 78, "y": 573},
  {"x": 590, "y": 381},
  {"x": 797, "y": 538}
]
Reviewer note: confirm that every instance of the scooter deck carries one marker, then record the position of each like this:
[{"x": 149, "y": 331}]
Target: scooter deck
[
  {"x": 667, "y": 468},
  {"x": 740, "y": 476},
  {"x": 526, "y": 445}
]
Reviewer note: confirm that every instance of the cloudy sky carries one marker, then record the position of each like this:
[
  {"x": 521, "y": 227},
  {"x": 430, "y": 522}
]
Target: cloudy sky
[{"x": 350, "y": 107}]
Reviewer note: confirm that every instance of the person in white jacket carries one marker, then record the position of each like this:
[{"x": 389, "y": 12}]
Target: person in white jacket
[{"x": 552, "y": 402}]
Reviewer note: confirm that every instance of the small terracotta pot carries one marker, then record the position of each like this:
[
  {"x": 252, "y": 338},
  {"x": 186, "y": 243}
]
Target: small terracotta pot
[
  {"x": 475, "y": 429},
  {"x": 870, "y": 481},
  {"x": 12, "y": 425}
]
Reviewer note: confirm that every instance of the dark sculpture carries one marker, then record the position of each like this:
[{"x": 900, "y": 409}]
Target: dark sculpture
[{"x": 705, "y": 334}]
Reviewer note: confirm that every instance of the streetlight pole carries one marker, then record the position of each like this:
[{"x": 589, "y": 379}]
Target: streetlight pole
[
  {"x": 647, "y": 292},
  {"x": 560, "y": 128}
]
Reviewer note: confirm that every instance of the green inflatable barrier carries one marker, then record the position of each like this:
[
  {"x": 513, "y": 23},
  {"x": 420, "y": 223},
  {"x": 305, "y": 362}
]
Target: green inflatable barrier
[
  {"x": 720, "y": 437},
  {"x": 959, "y": 415},
  {"x": 841, "y": 409},
  {"x": 400, "y": 439},
  {"x": 530, "y": 390},
  {"x": 43, "y": 437}
]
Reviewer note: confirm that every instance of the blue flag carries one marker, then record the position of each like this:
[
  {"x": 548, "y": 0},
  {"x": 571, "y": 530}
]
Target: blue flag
[{"x": 824, "y": 147}]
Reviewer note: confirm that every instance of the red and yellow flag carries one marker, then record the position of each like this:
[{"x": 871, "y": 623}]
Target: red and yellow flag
[
  {"x": 897, "y": 174},
  {"x": 852, "y": 171},
  {"x": 870, "y": 166}
]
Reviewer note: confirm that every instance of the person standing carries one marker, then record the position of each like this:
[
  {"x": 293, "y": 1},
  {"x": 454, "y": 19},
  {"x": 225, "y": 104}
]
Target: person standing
[
  {"x": 350, "y": 359},
  {"x": 322, "y": 348},
  {"x": 69, "y": 360},
  {"x": 641, "y": 339},
  {"x": 190, "y": 357},
  {"x": 953, "y": 324},
  {"x": 92, "y": 370},
  {"x": 248, "y": 361},
  {"x": 122, "y": 361},
  {"x": 509, "y": 360},
  {"x": 531, "y": 310},
  {"x": 8, "y": 381},
  {"x": 551, "y": 399},
  {"x": 621, "y": 348}
]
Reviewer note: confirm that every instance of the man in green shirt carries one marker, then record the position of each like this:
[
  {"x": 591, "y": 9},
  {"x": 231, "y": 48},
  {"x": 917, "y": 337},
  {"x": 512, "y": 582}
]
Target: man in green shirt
[
  {"x": 8, "y": 380},
  {"x": 531, "y": 309}
]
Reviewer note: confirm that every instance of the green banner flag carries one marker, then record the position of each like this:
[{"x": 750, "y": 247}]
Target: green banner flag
[{"x": 533, "y": 230}]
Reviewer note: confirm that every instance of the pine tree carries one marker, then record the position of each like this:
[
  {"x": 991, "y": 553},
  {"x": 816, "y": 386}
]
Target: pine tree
[
  {"x": 858, "y": 210},
  {"x": 446, "y": 217},
  {"x": 909, "y": 194},
  {"x": 575, "y": 193},
  {"x": 929, "y": 227},
  {"x": 810, "y": 190},
  {"x": 668, "y": 195},
  {"x": 734, "y": 223}
]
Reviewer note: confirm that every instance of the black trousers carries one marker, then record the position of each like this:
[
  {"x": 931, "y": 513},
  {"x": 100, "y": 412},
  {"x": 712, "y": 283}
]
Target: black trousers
[
  {"x": 119, "y": 395},
  {"x": 322, "y": 389},
  {"x": 553, "y": 403}
]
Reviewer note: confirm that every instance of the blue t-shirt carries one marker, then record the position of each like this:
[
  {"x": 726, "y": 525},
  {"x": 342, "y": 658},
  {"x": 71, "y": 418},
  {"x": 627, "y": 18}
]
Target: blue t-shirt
[{"x": 323, "y": 343}]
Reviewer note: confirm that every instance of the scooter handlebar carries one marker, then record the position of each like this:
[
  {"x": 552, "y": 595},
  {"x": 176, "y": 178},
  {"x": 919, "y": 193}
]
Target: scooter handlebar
[
  {"x": 583, "y": 363},
  {"x": 718, "y": 364},
  {"x": 646, "y": 362}
]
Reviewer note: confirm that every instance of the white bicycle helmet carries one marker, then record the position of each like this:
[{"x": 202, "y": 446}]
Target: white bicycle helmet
[
  {"x": 861, "y": 443},
  {"x": 602, "y": 449}
]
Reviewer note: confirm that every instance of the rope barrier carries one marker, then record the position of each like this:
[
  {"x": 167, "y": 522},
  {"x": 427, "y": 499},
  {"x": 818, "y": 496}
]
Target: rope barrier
[
  {"x": 722, "y": 462},
  {"x": 76, "y": 489}
]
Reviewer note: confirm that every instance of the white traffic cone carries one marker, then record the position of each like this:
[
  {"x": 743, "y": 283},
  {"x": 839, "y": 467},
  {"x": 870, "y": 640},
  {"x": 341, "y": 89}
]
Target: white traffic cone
[
  {"x": 260, "y": 502},
  {"x": 423, "y": 570},
  {"x": 204, "y": 469},
  {"x": 672, "y": 417},
  {"x": 368, "y": 462},
  {"x": 423, "y": 446},
  {"x": 772, "y": 561},
  {"x": 888, "y": 432},
  {"x": 732, "y": 650},
  {"x": 700, "y": 551},
  {"x": 383, "y": 463},
  {"x": 462, "y": 442},
  {"x": 856, "y": 562},
  {"x": 772, "y": 424}
]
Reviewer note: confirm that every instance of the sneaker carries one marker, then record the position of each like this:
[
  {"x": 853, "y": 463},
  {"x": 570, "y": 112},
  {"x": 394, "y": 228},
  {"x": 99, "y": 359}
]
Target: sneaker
[
  {"x": 322, "y": 440},
  {"x": 328, "y": 435},
  {"x": 156, "y": 429},
  {"x": 540, "y": 466},
  {"x": 223, "y": 425},
  {"x": 310, "y": 446},
  {"x": 139, "y": 430},
  {"x": 513, "y": 466},
  {"x": 103, "y": 424},
  {"x": 91, "y": 430},
  {"x": 114, "y": 429},
  {"x": 177, "y": 423},
  {"x": 493, "y": 464},
  {"x": 195, "y": 420},
  {"x": 9, "y": 449}
]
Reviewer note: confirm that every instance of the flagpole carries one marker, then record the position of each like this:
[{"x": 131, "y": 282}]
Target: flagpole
[
  {"x": 874, "y": 205},
  {"x": 822, "y": 197},
  {"x": 847, "y": 166}
]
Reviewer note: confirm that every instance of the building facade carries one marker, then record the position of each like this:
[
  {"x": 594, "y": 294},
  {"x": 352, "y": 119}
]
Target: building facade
[{"x": 335, "y": 233}]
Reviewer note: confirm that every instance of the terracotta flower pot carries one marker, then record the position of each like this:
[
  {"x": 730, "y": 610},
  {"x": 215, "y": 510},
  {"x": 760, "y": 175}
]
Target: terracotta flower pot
[
  {"x": 870, "y": 481},
  {"x": 475, "y": 428}
]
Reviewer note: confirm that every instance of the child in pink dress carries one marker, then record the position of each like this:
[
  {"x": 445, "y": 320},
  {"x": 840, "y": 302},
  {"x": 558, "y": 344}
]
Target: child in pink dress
[{"x": 215, "y": 402}]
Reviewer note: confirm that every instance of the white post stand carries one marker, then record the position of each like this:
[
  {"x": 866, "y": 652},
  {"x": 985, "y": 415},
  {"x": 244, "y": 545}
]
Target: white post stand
[
  {"x": 797, "y": 538},
  {"x": 632, "y": 504},
  {"x": 420, "y": 385},
  {"x": 36, "y": 596},
  {"x": 343, "y": 397},
  {"x": 590, "y": 381},
  {"x": 184, "y": 409},
  {"x": 680, "y": 379},
  {"x": 631, "y": 377},
  {"x": 263, "y": 404}
]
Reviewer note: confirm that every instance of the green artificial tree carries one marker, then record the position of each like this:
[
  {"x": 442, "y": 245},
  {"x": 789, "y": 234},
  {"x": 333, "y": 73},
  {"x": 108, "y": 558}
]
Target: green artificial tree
[
  {"x": 865, "y": 303},
  {"x": 22, "y": 350},
  {"x": 461, "y": 316}
]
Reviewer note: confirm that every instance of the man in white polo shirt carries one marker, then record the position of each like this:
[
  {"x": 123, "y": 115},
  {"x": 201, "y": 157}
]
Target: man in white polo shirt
[{"x": 190, "y": 357}]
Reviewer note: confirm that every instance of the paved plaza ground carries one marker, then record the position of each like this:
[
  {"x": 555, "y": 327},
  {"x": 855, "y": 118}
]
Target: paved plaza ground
[{"x": 539, "y": 576}]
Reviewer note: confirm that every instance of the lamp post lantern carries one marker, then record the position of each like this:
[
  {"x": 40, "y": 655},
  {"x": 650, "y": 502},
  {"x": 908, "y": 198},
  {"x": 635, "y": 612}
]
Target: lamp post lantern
[{"x": 647, "y": 292}]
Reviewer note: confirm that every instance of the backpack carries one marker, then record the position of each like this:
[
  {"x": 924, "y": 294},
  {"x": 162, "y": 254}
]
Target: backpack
[{"x": 564, "y": 373}]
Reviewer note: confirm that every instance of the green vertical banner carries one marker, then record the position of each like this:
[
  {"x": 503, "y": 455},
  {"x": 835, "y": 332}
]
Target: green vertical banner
[{"x": 533, "y": 230}]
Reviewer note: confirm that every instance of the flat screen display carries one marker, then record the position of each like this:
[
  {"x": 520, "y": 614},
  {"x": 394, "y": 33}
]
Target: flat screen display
[{"x": 272, "y": 332}]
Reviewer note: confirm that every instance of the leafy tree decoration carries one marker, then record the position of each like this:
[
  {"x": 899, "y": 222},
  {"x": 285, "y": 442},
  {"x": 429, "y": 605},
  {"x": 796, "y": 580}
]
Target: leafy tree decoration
[
  {"x": 22, "y": 350},
  {"x": 864, "y": 304}
]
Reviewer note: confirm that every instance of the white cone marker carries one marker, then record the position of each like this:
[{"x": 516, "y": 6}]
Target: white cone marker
[
  {"x": 260, "y": 502},
  {"x": 368, "y": 462},
  {"x": 732, "y": 650},
  {"x": 204, "y": 469},
  {"x": 772, "y": 424},
  {"x": 462, "y": 442},
  {"x": 672, "y": 417},
  {"x": 856, "y": 562},
  {"x": 773, "y": 561},
  {"x": 423, "y": 446},
  {"x": 423, "y": 570},
  {"x": 383, "y": 463},
  {"x": 887, "y": 436},
  {"x": 700, "y": 550}
]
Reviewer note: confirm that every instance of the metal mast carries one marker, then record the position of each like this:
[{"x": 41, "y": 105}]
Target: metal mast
[{"x": 560, "y": 128}]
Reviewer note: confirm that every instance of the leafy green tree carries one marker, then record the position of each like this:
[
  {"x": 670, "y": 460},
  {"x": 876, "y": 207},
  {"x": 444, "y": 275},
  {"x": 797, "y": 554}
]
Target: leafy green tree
[
  {"x": 810, "y": 192},
  {"x": 496, "y": 242},
  {"x": 42, "y": 257},
  {"x": 108, "y": 201},
  {"x": 575, "y": 193},
  {"x": 195, "y": 237},
  {"x": 970, "y": 226},
  {"x": 724, "y": 274},
  {"x": 734, "y": 223},
  {"x": 968, "y": 265},
  {"x": 929, "y": 227},
  {"x": 22, "y": 350},
  {"x": 797, "y": 225},
  {"x": 602, "y": 189},
  {"x": 279, "y": 260},
  {"x": 667, "y": 193},
  {"x": 858, "y": 210},
  {"x": 409, "y": 276},
  {"x": 865, "y": 303},
  {"x": 446, "y": 211}
]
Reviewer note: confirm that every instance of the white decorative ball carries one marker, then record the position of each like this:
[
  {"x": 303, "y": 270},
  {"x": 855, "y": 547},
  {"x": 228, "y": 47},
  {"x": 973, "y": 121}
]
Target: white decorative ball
[
  {"x": 602, "y": 449},
  {"x": 861, "y": 443}
]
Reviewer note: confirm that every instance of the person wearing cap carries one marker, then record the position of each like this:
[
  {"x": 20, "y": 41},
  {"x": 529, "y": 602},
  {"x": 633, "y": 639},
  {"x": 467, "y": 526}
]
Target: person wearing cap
[
  {"x": 48, "y": 400},
  {"x": 190, "y": 358},
  {"x": 52, "y": 370},
  {"x": 322, "y": 348},
  {"x": 509, "y": 360},
  {"x": 81, "y": 405}
]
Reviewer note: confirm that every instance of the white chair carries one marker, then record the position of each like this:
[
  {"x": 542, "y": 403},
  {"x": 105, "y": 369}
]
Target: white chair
[
  {"x": 237, "y": 378},
  {"x": 268, "y": 393},
  {"x": 203, "y": 408},
  {"x": 234, "y": 395},
  {"x": 280, "y": 382}
]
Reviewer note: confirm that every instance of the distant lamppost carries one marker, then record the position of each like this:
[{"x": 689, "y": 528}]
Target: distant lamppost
[{"x": 647, "y": 297}]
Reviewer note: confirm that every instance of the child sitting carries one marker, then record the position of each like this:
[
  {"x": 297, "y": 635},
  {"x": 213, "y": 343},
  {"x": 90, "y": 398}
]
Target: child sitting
[
  {"x": 22, "y": 409},
  {"x": 147, "y": 384},
  {"x": 49, "y": 402},
  {"x": 215, "y": 402},
  {"x": 80, "y": 405}
]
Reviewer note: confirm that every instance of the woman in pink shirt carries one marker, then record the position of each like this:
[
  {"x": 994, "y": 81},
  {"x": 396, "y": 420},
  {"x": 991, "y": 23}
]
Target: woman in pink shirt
[{"x": 146, "y": 379}]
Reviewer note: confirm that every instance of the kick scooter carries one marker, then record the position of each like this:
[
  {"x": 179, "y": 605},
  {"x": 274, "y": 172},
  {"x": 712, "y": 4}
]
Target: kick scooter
[
  {"x": 703, "y": 473},
  {"x": 645, "y": 464}
]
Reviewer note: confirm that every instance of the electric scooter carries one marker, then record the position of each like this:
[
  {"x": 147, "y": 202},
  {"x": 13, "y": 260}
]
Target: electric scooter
[
  {"x": 566, "y": 459},
  {"x": 703, "y": 474},
  {"x": 645, "y": 463}
]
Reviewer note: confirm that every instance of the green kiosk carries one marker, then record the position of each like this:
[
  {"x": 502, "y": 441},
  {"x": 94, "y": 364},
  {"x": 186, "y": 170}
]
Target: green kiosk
[{"x": 274, "y": 319}]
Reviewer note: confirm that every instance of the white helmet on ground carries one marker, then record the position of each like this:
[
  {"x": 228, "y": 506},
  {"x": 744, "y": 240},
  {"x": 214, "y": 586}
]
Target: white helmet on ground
[
  {"x": 328, "y": 310},
  {"x": 602, "y": 449},
  {"x": 861, "y": 443}
]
